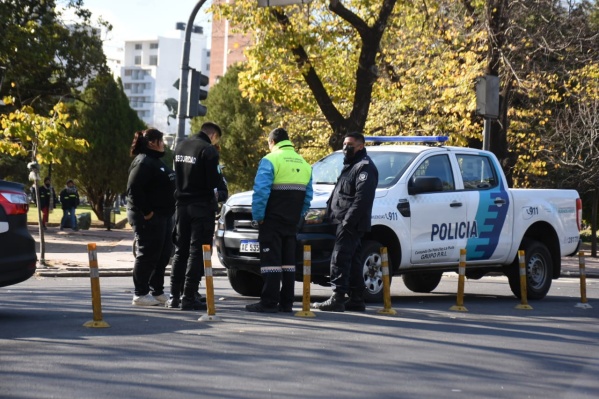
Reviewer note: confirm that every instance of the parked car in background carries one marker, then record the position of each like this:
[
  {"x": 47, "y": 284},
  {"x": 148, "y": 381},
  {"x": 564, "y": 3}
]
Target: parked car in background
[{"x": 17, "y": 247}]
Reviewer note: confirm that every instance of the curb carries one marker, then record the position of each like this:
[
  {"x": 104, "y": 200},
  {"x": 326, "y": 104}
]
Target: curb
[{"x": 84, "y": 272}]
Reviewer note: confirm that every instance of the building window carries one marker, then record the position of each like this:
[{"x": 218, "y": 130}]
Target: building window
[
  {"x": 127, "y": 86},
  {"x": 138, "y": 46},
  {"x": 153, "y": 46},
  {"x": 128, "y": 72},
  {"x": 153, "y": 60},
  {"x": 207, "y": 53},
  {"x": 137, "y": 60}
]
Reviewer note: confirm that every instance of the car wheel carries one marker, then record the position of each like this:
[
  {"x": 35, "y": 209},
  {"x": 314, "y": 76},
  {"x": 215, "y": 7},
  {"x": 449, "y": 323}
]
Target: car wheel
[
  {"x": 372, "y": 271},
  {"x": 539, "y": 270},
  {"x": 245, "y": 283},
  {"x": 422, "y": 282}
]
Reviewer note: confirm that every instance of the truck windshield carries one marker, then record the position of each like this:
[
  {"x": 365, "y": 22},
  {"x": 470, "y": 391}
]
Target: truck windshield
[{"x": 390, "y": 165}]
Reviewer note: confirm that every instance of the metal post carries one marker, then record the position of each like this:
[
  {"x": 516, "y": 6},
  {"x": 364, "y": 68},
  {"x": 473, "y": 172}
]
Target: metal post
[
  {"x": 183, "y": 92},
  {"x": 459, "y": 306},
  {"x": 387, "y": 309},
  {"x": 94, "y": 275},
  {"x": 306, "y": 312},
  {"x": 523, "y": 281},
  {"x": 486, "y": 134},
  {"x": 211, "y": 316}
]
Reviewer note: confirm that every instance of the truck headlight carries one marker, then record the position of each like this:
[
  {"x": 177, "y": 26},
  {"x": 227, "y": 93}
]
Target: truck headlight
[{"x": 314, "y": 216}]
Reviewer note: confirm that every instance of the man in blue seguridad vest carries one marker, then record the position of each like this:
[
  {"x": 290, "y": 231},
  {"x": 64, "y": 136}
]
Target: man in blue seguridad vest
[{"x": 282, "y": 195}]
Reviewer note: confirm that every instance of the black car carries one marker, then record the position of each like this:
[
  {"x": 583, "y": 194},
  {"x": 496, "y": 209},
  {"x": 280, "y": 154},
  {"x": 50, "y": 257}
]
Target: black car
[{"x": 17, "y": 248}]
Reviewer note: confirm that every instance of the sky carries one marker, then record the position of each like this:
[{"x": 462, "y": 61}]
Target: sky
[{"x": 136, "y": 19}]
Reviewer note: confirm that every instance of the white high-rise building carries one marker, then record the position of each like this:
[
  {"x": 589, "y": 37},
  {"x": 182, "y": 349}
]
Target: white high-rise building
[{"x": 150, "y": 68}]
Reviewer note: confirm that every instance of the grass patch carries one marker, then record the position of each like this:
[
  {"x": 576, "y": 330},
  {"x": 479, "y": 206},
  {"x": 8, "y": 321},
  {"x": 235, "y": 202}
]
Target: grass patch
[{"x": 56, "y": 215}]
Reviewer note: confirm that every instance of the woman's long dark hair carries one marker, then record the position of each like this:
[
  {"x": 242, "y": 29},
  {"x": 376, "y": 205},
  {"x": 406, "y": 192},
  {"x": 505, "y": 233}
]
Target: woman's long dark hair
[{"x": 142, "y": 138}]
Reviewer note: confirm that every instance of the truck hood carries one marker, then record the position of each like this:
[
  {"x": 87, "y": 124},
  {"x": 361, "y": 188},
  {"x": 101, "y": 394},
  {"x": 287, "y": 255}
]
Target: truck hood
[{"x": 322, "y": 192}]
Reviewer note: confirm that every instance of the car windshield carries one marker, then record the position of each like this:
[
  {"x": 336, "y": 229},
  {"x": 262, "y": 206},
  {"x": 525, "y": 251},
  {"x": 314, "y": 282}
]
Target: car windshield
[{"x": 390, "y": 165}]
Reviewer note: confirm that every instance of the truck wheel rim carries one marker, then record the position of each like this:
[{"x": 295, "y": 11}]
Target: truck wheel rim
[
  {"x": 537, "y": 271},
  {"x": 373, "y": 273}
]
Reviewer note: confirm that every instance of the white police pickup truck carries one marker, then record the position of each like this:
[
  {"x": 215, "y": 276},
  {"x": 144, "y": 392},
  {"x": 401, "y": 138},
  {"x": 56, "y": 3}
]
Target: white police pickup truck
[{"x": 431, "y": 201}]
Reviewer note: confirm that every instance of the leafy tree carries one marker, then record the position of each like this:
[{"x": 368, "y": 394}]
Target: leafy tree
[
  {"x": 25, "y": 133},
  {"x": 45, "y": 57},
  {"x": 244, "y": 130},
  {"x": 107, "y": 123}
]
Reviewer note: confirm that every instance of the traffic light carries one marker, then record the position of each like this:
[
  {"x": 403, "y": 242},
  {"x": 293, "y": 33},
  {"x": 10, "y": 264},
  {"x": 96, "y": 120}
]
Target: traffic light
[{"x": 196, "y": 93}]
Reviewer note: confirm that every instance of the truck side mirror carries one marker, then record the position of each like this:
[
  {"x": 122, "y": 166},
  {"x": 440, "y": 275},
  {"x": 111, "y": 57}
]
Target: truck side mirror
[{"x": 424, "y": 184}]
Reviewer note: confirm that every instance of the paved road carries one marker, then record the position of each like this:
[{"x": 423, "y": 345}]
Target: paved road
[{"x": 426, "y": 351}]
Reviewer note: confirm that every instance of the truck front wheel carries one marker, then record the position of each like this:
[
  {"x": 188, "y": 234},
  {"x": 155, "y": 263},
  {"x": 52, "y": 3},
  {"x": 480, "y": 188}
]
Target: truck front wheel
[
  {"x": 539, "y": 269},
  {"x": 245, "y": 283},
  {"x": 422, "y": 282},
  {"x": 372, "y": 271}
]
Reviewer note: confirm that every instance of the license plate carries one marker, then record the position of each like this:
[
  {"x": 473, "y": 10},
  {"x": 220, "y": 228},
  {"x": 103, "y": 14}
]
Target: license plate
[{"x": 249, "y": 246}]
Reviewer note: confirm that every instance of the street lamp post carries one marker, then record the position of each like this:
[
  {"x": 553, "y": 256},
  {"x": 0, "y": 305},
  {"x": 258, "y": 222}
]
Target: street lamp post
[{"x": 183, "y": 80}]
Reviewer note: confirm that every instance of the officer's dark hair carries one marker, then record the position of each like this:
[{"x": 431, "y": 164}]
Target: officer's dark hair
[
  {"x": 211, "y": 126},
  {"x": 46, "y": 179},
  {"x": 142, "y": 138},
  {"x": 357, "y": 136},
  {"x": 278, "y": 134}
]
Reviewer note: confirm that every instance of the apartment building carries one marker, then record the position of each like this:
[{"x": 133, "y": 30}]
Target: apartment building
[
  {"x": 227, "y": 47},
  {"x": 150, "y": 68}
]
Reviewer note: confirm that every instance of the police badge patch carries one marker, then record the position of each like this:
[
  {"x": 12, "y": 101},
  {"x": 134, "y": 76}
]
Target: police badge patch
[{"x": 363, "y": 176}]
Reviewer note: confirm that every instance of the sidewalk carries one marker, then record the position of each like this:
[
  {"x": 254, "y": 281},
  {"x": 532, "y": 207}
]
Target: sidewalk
[{"x": 66, "y": 252}]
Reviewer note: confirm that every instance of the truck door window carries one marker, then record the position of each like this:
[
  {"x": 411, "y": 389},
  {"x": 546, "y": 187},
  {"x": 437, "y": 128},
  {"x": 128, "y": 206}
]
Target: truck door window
[
  {"x": 476, "y": 171},
  {"x": 437, "y": 166}
]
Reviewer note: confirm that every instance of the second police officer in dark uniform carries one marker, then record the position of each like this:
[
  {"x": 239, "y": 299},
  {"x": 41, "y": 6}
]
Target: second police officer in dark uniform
[
  {"x": 200, "y": 186},
  {"x": 350, "y": 207}
]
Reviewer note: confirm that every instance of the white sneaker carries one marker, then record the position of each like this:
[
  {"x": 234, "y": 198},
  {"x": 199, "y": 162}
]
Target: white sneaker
[
  {"x": 144, "y": 300},
  {"x": 162, "y": 298}
]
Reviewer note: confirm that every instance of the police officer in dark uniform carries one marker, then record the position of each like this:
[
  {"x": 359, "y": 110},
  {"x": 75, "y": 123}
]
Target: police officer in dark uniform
[
  {"x": 199, "y": 189},
  {"x": 350, "y": 207},
  {"x": 282, "y": 195}
]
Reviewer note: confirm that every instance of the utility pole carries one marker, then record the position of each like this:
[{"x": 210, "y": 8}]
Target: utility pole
[{"x": 183, "y": 80}]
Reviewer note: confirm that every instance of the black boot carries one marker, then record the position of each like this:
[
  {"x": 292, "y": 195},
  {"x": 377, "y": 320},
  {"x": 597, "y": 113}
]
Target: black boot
[
  {"x": 192, "y": 303},
  {"x": 355, "y": 303},
  {"x": 336, "y": 303}
]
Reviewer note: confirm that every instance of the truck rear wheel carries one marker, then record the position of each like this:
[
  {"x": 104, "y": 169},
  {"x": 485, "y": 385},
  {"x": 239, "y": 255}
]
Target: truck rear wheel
[
  {"x": 372, "y": 271},
  {"x": 245, "y": 283},
  {"x": 539, "y": 270},
  {"x": 422, "y": 282}
]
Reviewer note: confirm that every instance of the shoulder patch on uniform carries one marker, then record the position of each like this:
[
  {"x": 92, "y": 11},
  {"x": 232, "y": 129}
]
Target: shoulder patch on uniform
[{"x": 363, "y": 176}]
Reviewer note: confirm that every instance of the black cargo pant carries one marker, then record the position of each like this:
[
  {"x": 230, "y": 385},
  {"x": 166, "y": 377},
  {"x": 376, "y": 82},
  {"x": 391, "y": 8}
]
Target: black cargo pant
[
  {"x": 194, "y": 227},
  {"x": 154, "y": 247},
  {"x": 277, "y": 263},
  {"x": 346, "y": 266}
]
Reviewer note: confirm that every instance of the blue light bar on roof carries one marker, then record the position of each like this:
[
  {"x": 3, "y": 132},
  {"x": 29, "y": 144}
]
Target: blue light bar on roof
[{"x": 406, "y": 139}]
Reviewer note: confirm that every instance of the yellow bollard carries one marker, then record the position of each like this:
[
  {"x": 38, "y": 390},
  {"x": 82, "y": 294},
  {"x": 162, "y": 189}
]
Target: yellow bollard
[
  {"x": 459, "y": 306},
  {"x": 386, "y": 285},
  {"x": 523, "y": 294},
  {"x": 211, "y": 316},
  {"x": 306, "y": 312},
  {"x": 583, "y": 283},
  {"x": 94, "y": 275}
]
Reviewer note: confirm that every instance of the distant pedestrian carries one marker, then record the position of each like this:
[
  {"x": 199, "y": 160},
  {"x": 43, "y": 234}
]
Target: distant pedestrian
[
  {"x": 150, "y": 209},
  {"x": 282, "y": 195},
  {"x": 48, "y": 201},
  {"x": 69, "y": 200},
  {"x": 350, "y": 207},
  {"x": 200, "y": 186}
]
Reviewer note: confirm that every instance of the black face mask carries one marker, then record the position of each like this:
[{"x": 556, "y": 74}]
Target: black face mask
[{"x": 349, "y": 151}]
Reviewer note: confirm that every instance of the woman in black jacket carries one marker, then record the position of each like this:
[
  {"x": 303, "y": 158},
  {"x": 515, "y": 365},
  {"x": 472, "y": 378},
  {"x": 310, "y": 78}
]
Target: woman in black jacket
[{"x": 150, "y": 209}]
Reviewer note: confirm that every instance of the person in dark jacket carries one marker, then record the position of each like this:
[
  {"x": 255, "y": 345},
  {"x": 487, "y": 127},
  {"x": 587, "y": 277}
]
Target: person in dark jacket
[
  {"x": 150, "y": 209},
  {"x": 69, "y": 199},
  {"x": 48, "y": 201},
  {"x": 350, "y": 207},
  {"x": 282, "y": 195},
  {"x": 199, "y": 187}
]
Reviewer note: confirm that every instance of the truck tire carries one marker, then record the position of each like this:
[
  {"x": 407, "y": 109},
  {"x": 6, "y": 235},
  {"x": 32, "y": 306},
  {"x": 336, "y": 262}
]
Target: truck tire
[
  {"x": 539, "y": 270},
  {"x": 245, "y": 283},
  {"x": 372, "y": 271},
  {"x": 422, "y": 282}
]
